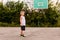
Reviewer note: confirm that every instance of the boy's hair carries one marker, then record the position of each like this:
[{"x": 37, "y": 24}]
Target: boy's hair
[{"x": 22, "y": 10}]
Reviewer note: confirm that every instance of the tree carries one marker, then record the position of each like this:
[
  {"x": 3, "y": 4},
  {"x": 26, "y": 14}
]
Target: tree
[{"x": 10, "y": 12}]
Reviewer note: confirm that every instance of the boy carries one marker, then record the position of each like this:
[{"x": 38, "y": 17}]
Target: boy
[{"x": 22, "y": 22}]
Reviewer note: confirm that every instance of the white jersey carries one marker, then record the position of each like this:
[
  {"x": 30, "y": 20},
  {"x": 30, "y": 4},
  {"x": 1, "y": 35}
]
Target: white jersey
[{"x": 23, "y": 21}]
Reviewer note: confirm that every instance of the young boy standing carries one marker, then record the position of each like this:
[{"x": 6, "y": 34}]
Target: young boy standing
[{"x": 22, "y": 22}]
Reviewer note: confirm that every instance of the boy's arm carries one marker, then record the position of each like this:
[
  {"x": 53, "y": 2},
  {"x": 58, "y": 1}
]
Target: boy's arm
[{"x": 20, "y": 19}]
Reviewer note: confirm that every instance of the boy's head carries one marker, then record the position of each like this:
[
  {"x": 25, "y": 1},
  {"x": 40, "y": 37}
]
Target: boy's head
[{"x": 22, "y": 12}]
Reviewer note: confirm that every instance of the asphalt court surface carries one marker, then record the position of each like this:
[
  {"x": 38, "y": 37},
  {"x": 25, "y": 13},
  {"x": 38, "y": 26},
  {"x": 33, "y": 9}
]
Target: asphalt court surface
[{"x": 13, "y": 33}]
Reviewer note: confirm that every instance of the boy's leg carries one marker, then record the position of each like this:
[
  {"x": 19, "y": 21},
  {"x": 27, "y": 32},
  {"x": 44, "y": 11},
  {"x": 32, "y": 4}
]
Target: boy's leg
[{"x": 22, "y": 30}]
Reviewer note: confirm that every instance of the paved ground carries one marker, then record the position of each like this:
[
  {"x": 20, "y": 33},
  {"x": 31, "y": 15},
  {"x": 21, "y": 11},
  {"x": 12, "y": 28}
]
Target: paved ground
[{"x": 9, "y": 33}]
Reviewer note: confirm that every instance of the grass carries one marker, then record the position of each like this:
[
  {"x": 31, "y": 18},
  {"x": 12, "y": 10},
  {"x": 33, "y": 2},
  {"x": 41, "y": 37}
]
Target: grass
[{"x": 9, "y": 25}]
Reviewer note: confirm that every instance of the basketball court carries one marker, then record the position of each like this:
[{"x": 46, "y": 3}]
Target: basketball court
[{"x": 12, "y": 33}]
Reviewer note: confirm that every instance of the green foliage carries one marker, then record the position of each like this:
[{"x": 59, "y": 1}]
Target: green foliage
[
  {"x": 10, "y": 15},
  {"x": 10, "y": 12},
  {"x": 44, "y": 18}
]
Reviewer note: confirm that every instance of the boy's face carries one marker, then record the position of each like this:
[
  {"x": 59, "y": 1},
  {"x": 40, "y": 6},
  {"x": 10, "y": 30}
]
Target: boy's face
[{"x": 22, "y": 13}]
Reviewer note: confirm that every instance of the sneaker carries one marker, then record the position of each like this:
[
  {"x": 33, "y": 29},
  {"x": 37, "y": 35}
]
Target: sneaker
[{"x": 22, "y": 35}]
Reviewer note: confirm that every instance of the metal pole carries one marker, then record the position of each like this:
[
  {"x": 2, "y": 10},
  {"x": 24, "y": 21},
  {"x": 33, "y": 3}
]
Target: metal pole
[
  {"x": 2, "y": 1},
  {"x": 57, "y": 2}
]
